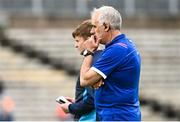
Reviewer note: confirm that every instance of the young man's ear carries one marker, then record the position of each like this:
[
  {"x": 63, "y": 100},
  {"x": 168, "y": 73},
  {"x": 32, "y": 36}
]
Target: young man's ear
[{"x": 107, "y": 27}]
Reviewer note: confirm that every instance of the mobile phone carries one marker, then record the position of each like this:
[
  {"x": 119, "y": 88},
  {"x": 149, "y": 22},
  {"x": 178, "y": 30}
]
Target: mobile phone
[{"x": 61, "y": 100}]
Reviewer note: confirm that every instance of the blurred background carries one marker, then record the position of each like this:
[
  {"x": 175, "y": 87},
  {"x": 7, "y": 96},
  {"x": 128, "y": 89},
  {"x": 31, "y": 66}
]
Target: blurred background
[{"x": 38, "y": 61}]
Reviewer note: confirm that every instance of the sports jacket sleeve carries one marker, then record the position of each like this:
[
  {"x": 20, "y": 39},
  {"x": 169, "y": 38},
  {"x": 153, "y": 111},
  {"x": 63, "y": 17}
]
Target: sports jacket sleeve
[{"x": 84, "y": 100}]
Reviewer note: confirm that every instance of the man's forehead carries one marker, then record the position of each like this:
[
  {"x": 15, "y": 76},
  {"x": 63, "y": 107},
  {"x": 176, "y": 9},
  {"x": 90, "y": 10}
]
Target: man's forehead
[
  {"x": 94, "y": 22},
  {"x": 95, "y": 18}
]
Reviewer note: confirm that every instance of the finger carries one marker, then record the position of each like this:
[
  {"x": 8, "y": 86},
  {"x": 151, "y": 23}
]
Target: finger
[
  {"x": 94, "y": 86},
  {"x": 70, "y": 100},
  {"x": 97, "y": 85},
  {"x": 102, "y": 83},
  {"x": 92, "y": 40},
  {"x": 96, "y": 41}
]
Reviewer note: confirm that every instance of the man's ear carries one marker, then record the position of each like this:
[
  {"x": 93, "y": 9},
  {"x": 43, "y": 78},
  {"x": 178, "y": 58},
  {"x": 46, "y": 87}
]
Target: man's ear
[{"x": 106, "y": 27}]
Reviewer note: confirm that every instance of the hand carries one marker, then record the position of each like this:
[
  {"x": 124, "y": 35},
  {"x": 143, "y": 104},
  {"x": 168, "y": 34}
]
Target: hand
[
  {"x": 65, "y": 107},
  {"x": 98, "y": 84},
  {"x": 91, "y": 44},
  {"x": 70, "y": 99}
]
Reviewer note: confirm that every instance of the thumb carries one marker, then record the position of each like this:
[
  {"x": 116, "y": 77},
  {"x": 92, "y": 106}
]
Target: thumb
[{"x": 95, "y": 40}]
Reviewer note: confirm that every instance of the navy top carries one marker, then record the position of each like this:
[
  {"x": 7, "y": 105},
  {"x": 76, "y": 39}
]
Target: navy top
[
  {"x": 119, "y": 65},
  {"x": 84, "y": 96}
]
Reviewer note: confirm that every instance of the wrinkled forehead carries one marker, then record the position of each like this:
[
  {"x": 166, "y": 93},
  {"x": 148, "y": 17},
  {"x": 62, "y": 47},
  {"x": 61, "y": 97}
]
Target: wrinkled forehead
[{"x": 95, "y": 18}]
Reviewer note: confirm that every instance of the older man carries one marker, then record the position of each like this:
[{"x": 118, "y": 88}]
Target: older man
[{"x": 118, "y": 67}]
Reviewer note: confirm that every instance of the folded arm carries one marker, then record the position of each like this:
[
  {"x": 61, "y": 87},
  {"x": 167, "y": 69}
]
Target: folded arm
[{"x": 88, "y": 77}]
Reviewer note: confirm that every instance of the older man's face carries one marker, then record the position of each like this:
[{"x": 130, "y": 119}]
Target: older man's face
[{"x": 97, "y": 28}]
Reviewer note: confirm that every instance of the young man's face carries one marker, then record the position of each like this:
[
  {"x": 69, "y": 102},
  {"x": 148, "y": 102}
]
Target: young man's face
[{"x": 79, "y": 43}]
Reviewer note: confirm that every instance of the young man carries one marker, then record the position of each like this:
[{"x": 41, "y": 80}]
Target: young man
[
  {"x": 119, "y": 66},
  {"x": 83, "y": 107}
]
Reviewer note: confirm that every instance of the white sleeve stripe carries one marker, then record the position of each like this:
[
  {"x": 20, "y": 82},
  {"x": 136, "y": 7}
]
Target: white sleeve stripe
[{"x": 99, "y": 72}]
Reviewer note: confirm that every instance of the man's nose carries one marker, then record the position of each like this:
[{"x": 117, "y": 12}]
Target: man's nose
[{"x": 92, "y": 31}]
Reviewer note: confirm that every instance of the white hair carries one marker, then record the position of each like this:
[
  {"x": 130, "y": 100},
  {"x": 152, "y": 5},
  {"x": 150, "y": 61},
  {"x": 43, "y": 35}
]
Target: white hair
[{"x": 108, "y": 14}]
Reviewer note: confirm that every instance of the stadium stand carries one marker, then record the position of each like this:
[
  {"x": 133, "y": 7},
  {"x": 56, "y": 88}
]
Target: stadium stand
[
  {"x": 39, "y": 62},
  {"x": 159, "y": 79},
  {"x": 33, "y": 86}
]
